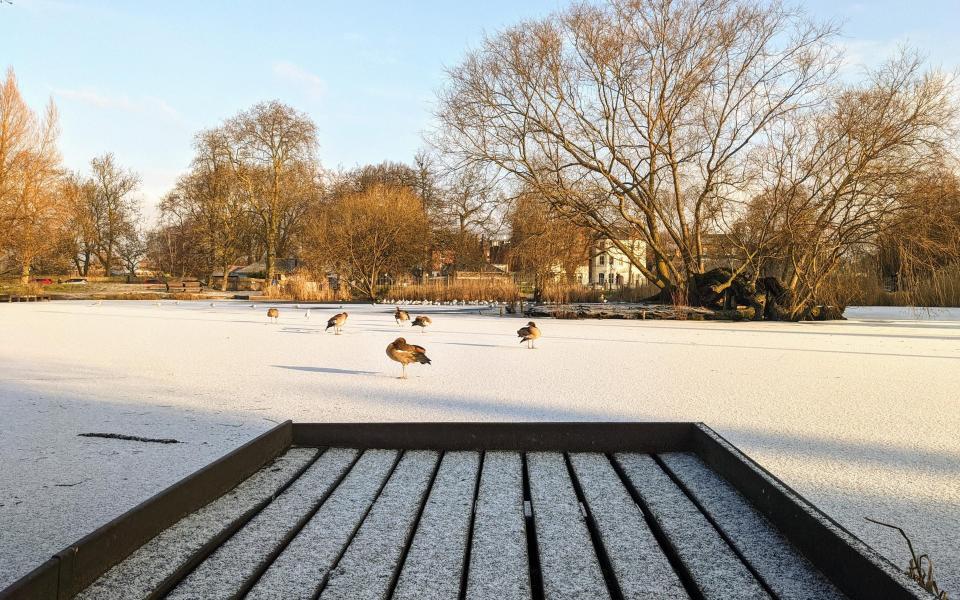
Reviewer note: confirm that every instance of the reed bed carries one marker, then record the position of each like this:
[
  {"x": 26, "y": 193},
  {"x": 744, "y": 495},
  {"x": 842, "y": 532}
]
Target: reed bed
[
  {"x": 497, "y": 290},
  {"x": 302, "y": 285},
  {"x": 865, "y": 288}
]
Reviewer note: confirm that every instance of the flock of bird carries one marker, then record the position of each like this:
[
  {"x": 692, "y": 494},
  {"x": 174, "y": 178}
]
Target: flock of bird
[
  {"x": 444, "y": 303},
  {"x": 399, "y": 350}
]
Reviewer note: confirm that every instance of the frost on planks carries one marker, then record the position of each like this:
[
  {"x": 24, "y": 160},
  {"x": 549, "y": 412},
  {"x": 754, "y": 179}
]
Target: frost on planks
[
  {"x": 305, "y": 563},
  {"x": 224, "y": 573},
  {"x": 713, "y": 566},
  {"x": 433, "y": 569},
  {"x": 782, "y": 567},
  {"x": 639, "y": 564},
  {"x": 568, "y": 562},
  {"x": 152, "y": 564},
  {"x": 366, "y": 569},
  {"x": 498, "y": 553}
]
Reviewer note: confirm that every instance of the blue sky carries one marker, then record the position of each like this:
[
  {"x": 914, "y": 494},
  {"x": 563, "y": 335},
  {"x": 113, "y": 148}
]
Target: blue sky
[{"x": 140, "y": 78}]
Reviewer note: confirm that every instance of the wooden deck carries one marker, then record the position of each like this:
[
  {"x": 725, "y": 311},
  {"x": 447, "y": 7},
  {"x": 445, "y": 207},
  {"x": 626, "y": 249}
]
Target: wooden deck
[
  {"x": 453, "y": 523},
  {"x": 349, "y": 524}
]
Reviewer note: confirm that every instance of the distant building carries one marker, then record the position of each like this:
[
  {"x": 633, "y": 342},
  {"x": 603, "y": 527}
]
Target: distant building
[{"x": 610, "y": 267}]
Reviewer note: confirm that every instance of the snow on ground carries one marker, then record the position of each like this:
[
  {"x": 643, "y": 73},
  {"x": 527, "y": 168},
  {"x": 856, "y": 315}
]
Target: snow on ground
[{"x": 861, "y": 416}]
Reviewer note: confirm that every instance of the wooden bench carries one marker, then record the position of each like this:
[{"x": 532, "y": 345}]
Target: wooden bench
[
  {"x": 499, "y": 511},
  {"x": 186, "y": 286},
  {"x": 24, "y": 298}
]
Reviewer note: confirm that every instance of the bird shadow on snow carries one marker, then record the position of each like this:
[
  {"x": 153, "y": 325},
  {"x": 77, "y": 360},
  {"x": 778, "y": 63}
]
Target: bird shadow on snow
[{"x": 325, "y": 370}]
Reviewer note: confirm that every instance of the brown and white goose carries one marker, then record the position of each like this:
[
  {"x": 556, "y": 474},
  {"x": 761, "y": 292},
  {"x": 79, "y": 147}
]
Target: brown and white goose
[
  {"x": 336, "y": 321},
  {"x": 528, "y": 334},
  {"x": 402, "y": 352},
  {"x": 273, "y": 314},
  {"x": 421, "y": 321},
  {"x": 401, "y": 316}
]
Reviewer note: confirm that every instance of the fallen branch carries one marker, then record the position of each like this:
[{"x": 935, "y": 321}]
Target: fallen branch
[
  {"x": 70, "y": 484},
  {"x": 132, "y": 438}
]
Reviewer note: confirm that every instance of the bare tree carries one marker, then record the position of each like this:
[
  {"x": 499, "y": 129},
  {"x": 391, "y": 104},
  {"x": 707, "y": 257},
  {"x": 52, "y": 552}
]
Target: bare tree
[
  {"x": 132, "y": 249},
  {"x": 834, "y": 181},
  {"x": 468, "y": 207},
  {"x": 211, "y": 204},
  {"x": 545, "y": 244},
  {"x": 363, "y": 236},
  {"x": 109, "y": 205},
  {"x": 273, "y": 150},
  {"x": 30, "y": 215},
  {"x": 638, "y": 112},
  {"x": 81, "y": 228}
]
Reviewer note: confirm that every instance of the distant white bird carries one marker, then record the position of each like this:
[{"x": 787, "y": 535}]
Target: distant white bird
[
  {"x": 298, "y": 306},
  {"x": 306, "y": 315},
  {"x": 177, "y": 303},
  {"x": 212, "y": 305},
  {"x": 253, "y": 306},
  {"x": 158, "y": 304}
]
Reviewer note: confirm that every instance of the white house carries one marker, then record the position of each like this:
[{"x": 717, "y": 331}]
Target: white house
[{"x": 609, "y": 267}]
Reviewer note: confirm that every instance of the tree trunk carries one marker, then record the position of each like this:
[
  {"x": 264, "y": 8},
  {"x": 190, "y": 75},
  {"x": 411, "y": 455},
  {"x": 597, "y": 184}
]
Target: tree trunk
[
  {"x": 225, "y": 280},
  {"x": 25, "y": 270}
]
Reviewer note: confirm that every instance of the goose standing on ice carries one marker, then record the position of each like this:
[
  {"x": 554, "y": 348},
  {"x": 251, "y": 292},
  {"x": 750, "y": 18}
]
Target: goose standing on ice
[
  {"x": 400, "y": 351},
  {"x": 528, "y": 334},
  {"x": 273, "y": 314},
  {"x": 337, "y": 321},
  {"x": 421, "y": 321},
  {"x": 401, "y": 316}
]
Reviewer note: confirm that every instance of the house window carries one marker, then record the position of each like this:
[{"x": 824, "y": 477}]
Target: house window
[
  {"x": 613, "y": 261},
  {"x": 619, "y": 280},
  {"x": 603, "y": 258},
  {"x": 600, "y": 277}
]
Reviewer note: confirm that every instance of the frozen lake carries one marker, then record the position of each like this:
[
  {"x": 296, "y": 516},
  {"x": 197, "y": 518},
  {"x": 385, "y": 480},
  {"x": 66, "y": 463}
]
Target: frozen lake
[{"x": 861, "y": 417}]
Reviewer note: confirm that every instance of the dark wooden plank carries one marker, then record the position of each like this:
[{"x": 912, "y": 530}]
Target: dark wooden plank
[
  {"x": 433, "y": 569},
  {"x": 773, "y": 558},
  {"x": 367, "y": 568},
  {"x": 499, "y": 567},
  {"x": 85, "y": 560},
  {"x": 638, "y": 562},
  {"x": 568, "y": 562},
  {"x": 713, "y": 566},
  {"x": 526, "y": 437},
  {"x": 227, "y": 571},
  {"x": 39, "y": 583},
  {"x": 155, "y": 563},
  {"x": 857, "y": 569},
  {"x": 305, "y": 563}
]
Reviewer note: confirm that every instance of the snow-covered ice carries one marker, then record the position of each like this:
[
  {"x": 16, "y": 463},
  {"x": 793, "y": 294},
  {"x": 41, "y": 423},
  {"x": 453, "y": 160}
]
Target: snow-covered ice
[{"x": 861, "y": 417}]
